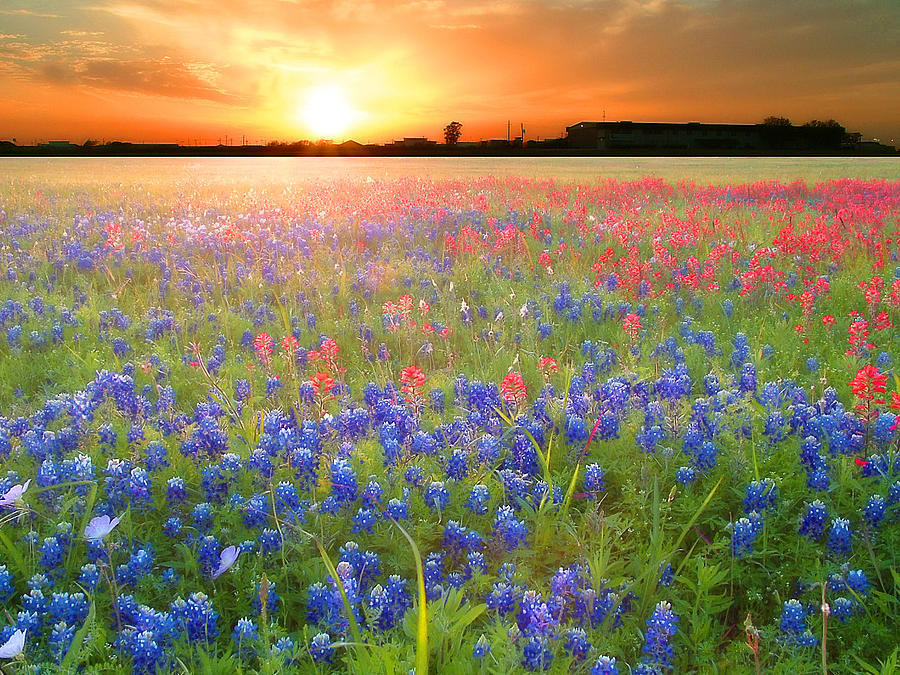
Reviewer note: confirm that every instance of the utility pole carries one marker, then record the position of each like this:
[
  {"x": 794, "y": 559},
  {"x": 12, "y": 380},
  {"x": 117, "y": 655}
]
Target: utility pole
[{"x": 507, "y": 131}]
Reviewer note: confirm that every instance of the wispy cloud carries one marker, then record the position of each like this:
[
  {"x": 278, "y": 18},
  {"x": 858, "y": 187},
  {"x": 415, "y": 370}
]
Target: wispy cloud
[{"x": 31, "y": 13}]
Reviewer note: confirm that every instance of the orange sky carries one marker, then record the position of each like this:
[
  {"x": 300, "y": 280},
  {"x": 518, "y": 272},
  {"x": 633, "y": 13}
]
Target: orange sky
[{"x": 198, "y": 70}]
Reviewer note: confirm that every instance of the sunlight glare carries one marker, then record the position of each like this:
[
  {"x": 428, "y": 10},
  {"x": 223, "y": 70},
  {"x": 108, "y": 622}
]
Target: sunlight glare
[{"x": 326, "y": 111}]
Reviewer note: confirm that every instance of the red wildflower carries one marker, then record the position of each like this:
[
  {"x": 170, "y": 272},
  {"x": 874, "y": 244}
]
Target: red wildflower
[
  {"x": 548, "y": 364},
  {"x": 869, "y": 382},
  {"x": 631, "y": 324},
  {"x": 329, "y": 348},
  {"x": 828, "y": 320},
  {"x": 263, "y": 344},
  {"x": 289, "y": 344},
  {"x": 405, "y": 304},
  {"x": 322, "y": 383},
  {"x": 513, "y": 388},
  {"x": 882, "y": 321},
  {"x": 412, "y": 378},
  {"x": 895, "y": 401}
]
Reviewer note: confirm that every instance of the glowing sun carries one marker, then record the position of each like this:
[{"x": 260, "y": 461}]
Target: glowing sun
[{"x": 326, "y": 111}]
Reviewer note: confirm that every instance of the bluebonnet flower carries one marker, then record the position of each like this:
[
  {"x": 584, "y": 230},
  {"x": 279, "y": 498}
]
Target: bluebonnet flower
[
  {"x": 536, "y": 655},
  {"x": 593, "y": 479},
  {"x": 839, "y": 537},
  {"x": 202, "y": 515},
  {"x": 176, "y": 492},
  {"x": 503, "y": 597},
  {"x": 398, "y": 509},
  {"x": 388, "y": 604},
  {"x": 577, "y": 644},
  {"x": 482, "y": 648},
  {"x": 52, "y": 553},
  {"x": 743, "y": 534},
  {"x": 6, "y": 584},
  {"x": 343, "y": 480},
  {"x": 478, "y": 499},
  {"x": 196, "y": 617},
  {"x": 507, "y": 528},
  {"x": 842, "y": 609},
  {"x": 874, "y": 511},
  {"x": 661, "y": 626},
  {"x": 320, "y": 648},
  {"x": 437, "y": 400},
  {"x": 793, "y": 624},
  {"x": 241, "y": 390},
  {"x": 747, "y": 379},
  {"x": 364, "y": 520},
  {"x": 372, "y": 494},
  {"x": 706, "y": 456},
  {"x": 858, "y": 581},
  {"x": 685, "y": 475},
  {"x": 812, "y": 524},
  {"x": 60, "y": 640},
  {"x": 436, "y": 496},
  {"x": 606, "y": 665},
  {"x": 457, "y": 467},
  {"x": 761, "y": 495},
  {"x": 172, "y": 527},
  {"x": 273, "y": 384},
  {"x": 741, "y": 349},
  {"x": 269, "y": 541},
  {"x": 666, "y": 575},
  {"x": 245, "y": 635}
]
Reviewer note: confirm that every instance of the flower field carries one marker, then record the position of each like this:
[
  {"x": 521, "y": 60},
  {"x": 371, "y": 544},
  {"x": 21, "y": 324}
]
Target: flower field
[{"x": 485, "y": 425}]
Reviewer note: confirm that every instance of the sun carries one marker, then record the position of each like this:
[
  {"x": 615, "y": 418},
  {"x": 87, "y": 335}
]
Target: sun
[{"x": 326, "y": 112}]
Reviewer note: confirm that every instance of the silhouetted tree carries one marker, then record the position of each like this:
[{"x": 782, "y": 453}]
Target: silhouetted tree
[
  {"x": 829, "y": 124},
  {"x": 774, "y": 121},
  {"x": 452, "y": 132}
]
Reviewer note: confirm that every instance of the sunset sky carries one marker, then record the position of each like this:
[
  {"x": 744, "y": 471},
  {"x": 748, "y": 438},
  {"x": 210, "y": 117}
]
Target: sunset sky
[{"x": 198, "y": 70}]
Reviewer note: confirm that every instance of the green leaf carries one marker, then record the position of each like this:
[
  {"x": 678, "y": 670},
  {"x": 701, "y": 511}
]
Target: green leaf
[{"x": 71, "y": 658}]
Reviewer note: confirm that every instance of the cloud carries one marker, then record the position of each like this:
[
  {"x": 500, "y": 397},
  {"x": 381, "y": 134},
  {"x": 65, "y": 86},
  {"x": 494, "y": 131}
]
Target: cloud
[
  {"x": 81, "y": 33},
  {"x": 31, "y": 13},
  {"x": 460, "y": 26},
  {"x": 160, "y": 77},
  {"x": 103, "y": 65}
]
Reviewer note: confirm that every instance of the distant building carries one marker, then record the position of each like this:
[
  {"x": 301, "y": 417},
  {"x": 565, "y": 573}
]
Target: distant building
[
  {"x": 698, "y": 137},
  {"x": 414, "y": 142},
  {"x": 874, "y": 147}
]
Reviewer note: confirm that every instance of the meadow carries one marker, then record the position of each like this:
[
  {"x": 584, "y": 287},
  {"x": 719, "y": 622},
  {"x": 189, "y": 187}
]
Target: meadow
[{"x": 255, "y": 421}]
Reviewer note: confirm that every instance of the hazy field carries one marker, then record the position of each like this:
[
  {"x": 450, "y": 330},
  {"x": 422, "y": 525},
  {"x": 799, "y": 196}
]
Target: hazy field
[{"x": 473, "y": 416}]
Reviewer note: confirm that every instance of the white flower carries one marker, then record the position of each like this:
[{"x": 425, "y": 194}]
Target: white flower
[
  {"x": 14, "y": 646},
  {"x": 99, "y": 527},
  {"x": 227, "y": 558},
  {"x": 14, "y": 494}
]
